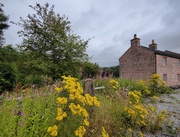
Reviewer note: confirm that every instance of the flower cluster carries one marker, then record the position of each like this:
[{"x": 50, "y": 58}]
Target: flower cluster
[
  {"x": 104, "y": 133},
  {"x": 135, "y": 110},
  {"x": 61, "y": 100},
  {"x": 114, "y": 84},
  {"x": 60, "y": 114},
  {"x": 80, "y": 131},
  {"x": 77, "y": 109},
  {"x": 72, "y": 103},
  {"x": 53, "y": 130},
  {"x": 158, "y": 85},
  {"x": 91, "y": 100},
  {"x": 143, "y": 115}
]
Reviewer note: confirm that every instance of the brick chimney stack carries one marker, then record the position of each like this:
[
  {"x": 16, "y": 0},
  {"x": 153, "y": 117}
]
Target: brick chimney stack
[
  {"x": 135, "y": 41},
  {"x": 153, "y": 45}
]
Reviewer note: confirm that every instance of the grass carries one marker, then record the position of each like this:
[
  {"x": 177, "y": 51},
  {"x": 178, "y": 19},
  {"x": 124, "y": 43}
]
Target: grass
[{"x": 31, "y": 112}]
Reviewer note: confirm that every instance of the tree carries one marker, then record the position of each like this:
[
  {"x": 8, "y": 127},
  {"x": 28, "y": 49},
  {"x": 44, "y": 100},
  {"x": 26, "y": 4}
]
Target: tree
[
  {"x": 48, "y": 38},
  {"x": 112, "y": 70},
  {"x": 3, "y": 24},
  {"x": 8, "y": 77},
  {"x": 89, "y": 70},
  {"x": 8, "y": 54}
]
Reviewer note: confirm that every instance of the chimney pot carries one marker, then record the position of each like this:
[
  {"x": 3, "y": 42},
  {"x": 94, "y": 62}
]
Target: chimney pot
[
  {"x": 153, "y": 41},
  {"x": 153, "y": 45},
  {"x": 135, "y": 41}
]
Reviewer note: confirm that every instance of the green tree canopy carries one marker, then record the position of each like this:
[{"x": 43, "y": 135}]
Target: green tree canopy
[
  {"x": 49, "y": 40},
  {"x": 3, "y": 24}
]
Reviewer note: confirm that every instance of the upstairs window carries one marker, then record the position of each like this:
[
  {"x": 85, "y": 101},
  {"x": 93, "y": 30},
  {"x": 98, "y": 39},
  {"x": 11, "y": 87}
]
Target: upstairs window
[
  {"x": 165, "y": 77},
  {"x": 164, "y": 61}
]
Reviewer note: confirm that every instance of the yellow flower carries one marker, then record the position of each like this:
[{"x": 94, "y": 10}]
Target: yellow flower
[
  {"x": 147, "y": 92},
  {"x": 60, "y": 114},
  {"x": 80, "y": 131},
  {"x": 49, "y": 129},
  {"x": 62, "y": 100},
  {"x": 155, "y": 97},
  {"x": 104, "y": 133},
  {"x": 23, "y": 91},
  {"x": 130, "y": 130},
  {"x": 59, "y": 118},
  {"x": 163, "y": 83},
  {"x": 53, "y": 131},
  {"x": 141, "y": 134},
  {"x": 86, "y": 123},
  {"x": 57, "y": 89}
]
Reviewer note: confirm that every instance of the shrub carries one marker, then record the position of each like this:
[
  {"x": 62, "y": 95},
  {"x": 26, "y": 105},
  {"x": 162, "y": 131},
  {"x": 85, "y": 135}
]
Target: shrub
[
  {"x": 8, "y": 77},
  {"x": 157, "y": 85}
]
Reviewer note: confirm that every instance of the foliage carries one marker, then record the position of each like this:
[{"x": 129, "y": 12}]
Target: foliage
[
  {"x": 144, "y": 117},
  {"x": 8, "y": 77},
  {"x": 27, "y": 113},
  {"x": 48, "y": 37},
  {"x": 157, "y": 85},
  {"x": 3, "y": 24},
  {"x": 112, "y": 70},
  {"x": 8, "y": 54},
  {"x": 68, "y": 112},
  {"x": 72, "y": 105},
  {"x": 89, "y": 70}
]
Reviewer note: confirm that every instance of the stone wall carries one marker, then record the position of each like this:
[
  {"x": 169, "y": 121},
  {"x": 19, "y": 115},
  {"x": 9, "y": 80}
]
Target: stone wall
[
  {"x": 172, "y": 69},
  {"x": 137, "y": 63}
]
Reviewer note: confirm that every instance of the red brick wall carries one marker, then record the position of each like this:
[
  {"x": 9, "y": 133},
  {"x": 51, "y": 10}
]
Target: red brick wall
[
  {"x": 137, "y": 63},
  {"x": 172, "y": 69}
]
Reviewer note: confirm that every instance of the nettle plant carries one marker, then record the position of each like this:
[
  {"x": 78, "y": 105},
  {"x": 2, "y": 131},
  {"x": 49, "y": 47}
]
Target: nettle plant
[{"x": 72, "y": 109}]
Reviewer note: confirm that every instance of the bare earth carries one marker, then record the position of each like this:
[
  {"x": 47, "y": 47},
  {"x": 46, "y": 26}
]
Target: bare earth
[{"x": 171, "y": 103}]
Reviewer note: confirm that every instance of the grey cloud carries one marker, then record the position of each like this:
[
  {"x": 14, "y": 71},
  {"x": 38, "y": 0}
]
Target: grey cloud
[{"x": 111, "y": 24}]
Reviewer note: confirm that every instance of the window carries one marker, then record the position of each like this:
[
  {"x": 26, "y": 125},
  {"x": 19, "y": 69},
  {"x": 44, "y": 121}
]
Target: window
[
  {"x": 179, "y": 62},
  {"x": 164, "y": 61},
  {"x": 165, "y": 77},
  {"x": 178, "y": 77}
]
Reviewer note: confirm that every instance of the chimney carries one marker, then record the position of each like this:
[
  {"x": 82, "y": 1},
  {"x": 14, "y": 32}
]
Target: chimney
[
  {"x": 135, "y": 41},
  {"x": 153, "y": 45}
]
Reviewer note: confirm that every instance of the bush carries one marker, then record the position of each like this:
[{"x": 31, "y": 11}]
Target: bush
[{"x": 8, "y": 77}]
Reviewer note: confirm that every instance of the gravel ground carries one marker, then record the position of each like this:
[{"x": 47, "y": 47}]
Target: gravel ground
[{"x": 171, "y": 103}]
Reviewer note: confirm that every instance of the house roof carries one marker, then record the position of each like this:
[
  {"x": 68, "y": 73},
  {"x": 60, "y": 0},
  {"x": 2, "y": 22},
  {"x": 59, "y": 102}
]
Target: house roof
[{"x": 164, "y": 53}]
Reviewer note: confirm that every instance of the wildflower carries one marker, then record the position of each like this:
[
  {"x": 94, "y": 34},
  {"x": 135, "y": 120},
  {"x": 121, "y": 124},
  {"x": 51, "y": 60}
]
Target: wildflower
[
  {"x": 147, "y": 92},
  {"x": 57, "y": 89},
  {"x": 130, "y": 130},
  {"x": 163, "y": 83},
  {"x": 62, "y": 101},
  {"x": 60, "y": 114},
  {"x": 104, "y": 133},
  {"x": 23, "y": 91},
  {"x": 155, "y": 97},
  {"x": 52, "y": 131},
  {"x": 80, "y": 131},
  {"x": 21, "y": 124},
  {"x": 141, "y": 134},
  {"x": 86, "y": 123}
]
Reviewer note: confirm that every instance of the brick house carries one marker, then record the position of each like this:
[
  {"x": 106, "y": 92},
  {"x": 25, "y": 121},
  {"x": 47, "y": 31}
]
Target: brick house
[{"x": 140, "y": 62}]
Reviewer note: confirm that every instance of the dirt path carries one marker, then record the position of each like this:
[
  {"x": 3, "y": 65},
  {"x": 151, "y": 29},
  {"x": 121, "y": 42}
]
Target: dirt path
[{"x": 171, "y": 103}]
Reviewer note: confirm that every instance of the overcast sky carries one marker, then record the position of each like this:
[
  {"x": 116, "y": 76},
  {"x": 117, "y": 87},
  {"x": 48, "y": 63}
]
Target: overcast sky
[{"x": 110, "y": 23}]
